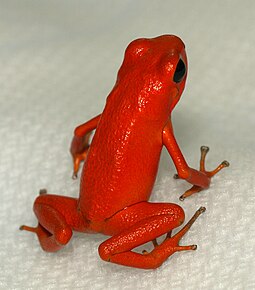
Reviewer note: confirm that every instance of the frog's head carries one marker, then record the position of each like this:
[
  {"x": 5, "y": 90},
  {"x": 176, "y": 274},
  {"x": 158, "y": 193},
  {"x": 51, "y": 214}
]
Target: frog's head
[{"x": 157, "y": 67}]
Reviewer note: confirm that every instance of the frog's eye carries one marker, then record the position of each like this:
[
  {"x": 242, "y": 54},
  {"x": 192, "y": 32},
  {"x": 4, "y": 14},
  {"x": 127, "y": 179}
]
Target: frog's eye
[{"x": 179, "y": 71}]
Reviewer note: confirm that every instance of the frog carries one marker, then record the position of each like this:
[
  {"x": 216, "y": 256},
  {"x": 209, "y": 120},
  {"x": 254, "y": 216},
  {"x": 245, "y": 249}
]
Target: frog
[{"x": 121, "y": 164}]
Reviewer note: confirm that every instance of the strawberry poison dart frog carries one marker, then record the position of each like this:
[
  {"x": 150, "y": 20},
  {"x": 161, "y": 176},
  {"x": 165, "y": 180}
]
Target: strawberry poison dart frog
[{"x": 121, "y": 164}]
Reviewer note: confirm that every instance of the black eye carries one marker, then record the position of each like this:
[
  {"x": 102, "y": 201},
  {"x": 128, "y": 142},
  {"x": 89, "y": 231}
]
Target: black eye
[{"x": 180, "y": 71}]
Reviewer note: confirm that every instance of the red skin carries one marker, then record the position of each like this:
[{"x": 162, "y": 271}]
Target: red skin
[{"x": 121, "y": 164}]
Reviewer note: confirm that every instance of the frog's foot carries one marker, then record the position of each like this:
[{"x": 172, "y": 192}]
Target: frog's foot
[
  {"x": 77, "y": 160},
  {"x": 195, "y": 188}
]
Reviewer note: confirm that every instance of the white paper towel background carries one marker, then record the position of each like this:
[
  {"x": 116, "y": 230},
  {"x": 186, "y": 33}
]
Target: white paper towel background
[{"x": 58, "y": 62}]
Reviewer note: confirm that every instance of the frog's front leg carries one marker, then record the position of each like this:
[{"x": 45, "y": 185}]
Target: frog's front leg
[
  {"x": 195, "y": 188},
  {"x": 80, "y": 142},
  {"x": 139, "y": 224},
  {"x": 199, "y": 178}
]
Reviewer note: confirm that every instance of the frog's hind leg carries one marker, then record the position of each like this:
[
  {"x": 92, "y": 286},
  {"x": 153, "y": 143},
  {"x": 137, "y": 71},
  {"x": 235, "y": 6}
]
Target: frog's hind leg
[
  {"x": 57, "y": 218},
  {"x": 118, "y": 249}
]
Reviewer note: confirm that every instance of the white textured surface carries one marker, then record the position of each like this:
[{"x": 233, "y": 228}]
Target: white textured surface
[{"x": 58, "y": 61}]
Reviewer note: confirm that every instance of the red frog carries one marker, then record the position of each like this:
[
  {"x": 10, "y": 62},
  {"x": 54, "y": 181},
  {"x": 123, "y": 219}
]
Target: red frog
[{"x": 121, "y": 163}]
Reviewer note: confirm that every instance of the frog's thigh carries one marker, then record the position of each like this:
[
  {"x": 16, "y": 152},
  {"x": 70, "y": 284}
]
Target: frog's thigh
[{"x": 131, "y": 215}]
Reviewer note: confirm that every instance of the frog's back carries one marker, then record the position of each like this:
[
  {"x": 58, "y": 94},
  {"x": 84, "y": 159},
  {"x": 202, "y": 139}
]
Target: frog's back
[{"x": 122, "y": 162}]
